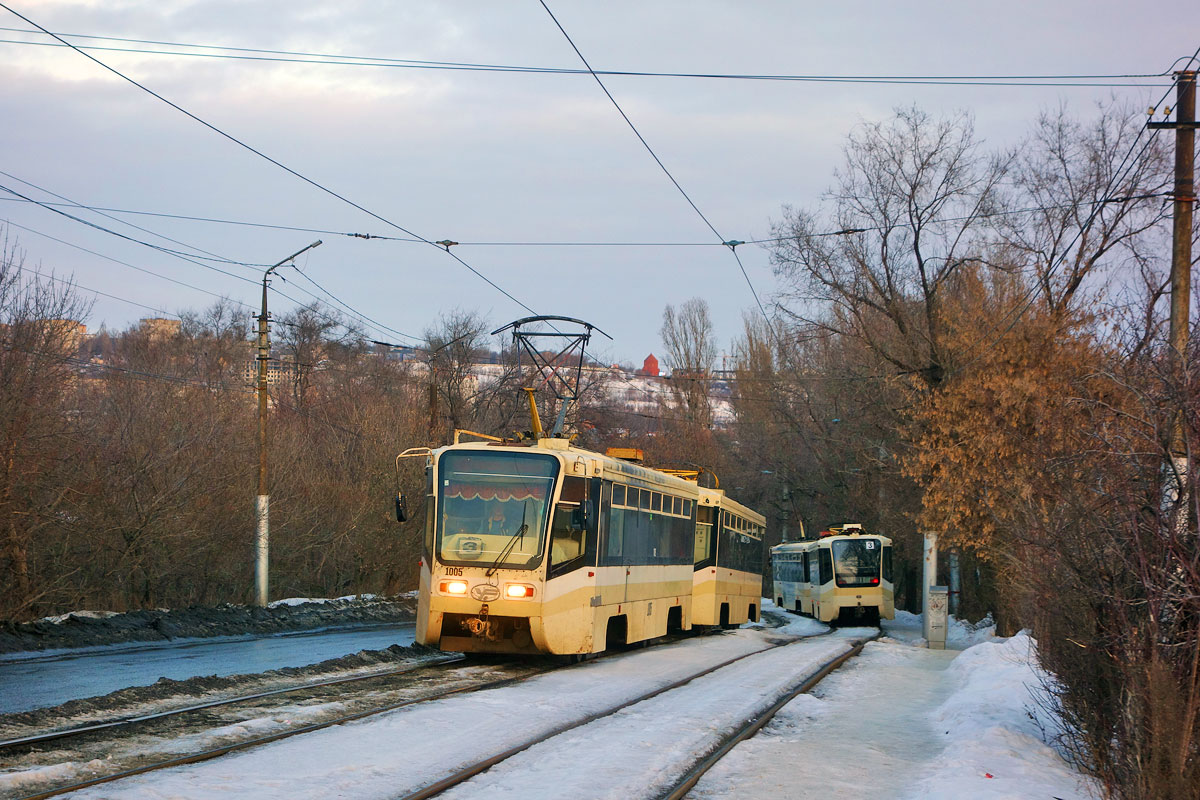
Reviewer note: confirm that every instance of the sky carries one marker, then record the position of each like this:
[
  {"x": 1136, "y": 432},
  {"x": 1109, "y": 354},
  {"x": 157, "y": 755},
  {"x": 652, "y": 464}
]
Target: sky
[{"x": 510, "y": 165}]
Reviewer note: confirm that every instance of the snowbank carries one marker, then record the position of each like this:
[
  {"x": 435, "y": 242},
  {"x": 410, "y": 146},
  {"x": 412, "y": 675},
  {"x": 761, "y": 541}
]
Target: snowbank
[
  {"x": 960, "y": 634},
  {"x": 994, "y": 730}
]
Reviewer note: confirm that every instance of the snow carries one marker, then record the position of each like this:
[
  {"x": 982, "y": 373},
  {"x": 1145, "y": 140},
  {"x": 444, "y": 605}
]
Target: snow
[
  {"x": 300, "y": 601},
  {"x": 897, "y": 721},
  {"x": 387, "y": 755},
  {"x": 84, "y": 614},
  {"x": 997, "y": 723}
]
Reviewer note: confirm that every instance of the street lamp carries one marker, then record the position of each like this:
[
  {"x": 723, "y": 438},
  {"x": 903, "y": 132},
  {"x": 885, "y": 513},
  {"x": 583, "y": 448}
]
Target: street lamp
[{"x": 261, "y": 502}]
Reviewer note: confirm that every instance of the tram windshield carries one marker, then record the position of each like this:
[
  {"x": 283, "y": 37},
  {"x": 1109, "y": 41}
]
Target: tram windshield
[
  {"x": 856, "y": 561},
  {"x": 492, "y": 508}
]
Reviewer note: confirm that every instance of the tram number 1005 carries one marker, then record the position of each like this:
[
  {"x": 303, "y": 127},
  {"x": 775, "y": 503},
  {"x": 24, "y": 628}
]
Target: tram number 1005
[{"x": 454, "y": 571}]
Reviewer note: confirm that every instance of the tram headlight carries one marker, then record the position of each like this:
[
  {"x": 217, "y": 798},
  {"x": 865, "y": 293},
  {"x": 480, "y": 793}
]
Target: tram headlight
[
  {"x": 518, "y": 590},
  {"x": 454, "y": 587}
]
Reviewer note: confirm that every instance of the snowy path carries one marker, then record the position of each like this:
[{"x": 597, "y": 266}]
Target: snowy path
[
  {"x": 863, "y": 732},
  {"x": 906, "y": 722},
  {"x": 30, "y": 681}
]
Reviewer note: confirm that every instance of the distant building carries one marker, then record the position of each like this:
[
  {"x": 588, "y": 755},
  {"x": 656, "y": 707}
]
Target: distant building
[
  {"x": 649, "y": 367},
  {"x": 73, "y": 332},
  {"x": 159, "y": 328}
]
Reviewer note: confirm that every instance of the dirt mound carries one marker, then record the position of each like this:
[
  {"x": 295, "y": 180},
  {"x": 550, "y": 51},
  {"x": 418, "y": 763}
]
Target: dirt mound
[{"x": 85, "y": 629}]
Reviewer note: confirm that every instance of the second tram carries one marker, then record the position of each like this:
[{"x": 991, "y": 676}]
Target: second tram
[{"x": 844, "y": 575}]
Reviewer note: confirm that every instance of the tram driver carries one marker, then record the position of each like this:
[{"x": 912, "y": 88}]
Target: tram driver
[{"x": 497, "y": 522}]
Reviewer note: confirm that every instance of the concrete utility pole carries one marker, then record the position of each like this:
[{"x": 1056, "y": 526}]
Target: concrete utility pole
[
  {"x": 1181, "y": 266},
  {"x": 262, "y": 501}
]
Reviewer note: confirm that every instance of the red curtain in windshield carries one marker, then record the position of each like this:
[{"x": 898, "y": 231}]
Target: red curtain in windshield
[{"x": 478, "y": 491}]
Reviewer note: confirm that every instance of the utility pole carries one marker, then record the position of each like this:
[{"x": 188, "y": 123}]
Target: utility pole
[
  {"x": 1184, "y": 198},
  {"x": 262, "y": 500}
]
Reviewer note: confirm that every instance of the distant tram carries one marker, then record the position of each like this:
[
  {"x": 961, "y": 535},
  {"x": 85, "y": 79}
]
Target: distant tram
[
  {"x": 844, "y": 575},
  {"x": 541, "y": 547}
]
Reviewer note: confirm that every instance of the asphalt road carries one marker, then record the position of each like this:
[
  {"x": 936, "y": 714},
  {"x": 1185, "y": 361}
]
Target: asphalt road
[{"x": 30, "y": 681}]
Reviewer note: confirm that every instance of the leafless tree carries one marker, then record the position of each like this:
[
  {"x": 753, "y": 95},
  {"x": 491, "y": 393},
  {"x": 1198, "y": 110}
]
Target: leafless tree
[
  {"x": 38, "y": 360},
  {"x": 691, "y": 349},
  {"x": 907, "y": 212}
]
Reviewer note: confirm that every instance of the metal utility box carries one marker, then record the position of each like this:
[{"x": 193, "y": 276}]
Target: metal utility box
[{"x": 936, "y": 611}]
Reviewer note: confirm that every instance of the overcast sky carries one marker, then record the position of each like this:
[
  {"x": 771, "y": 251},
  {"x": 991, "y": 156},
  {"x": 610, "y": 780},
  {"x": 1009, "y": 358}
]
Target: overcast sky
[{"x": 491, "y": 157}]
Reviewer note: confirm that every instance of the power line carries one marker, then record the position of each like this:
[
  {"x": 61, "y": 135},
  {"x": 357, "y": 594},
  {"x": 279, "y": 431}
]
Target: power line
[
  {"x": 75, "y": 204},
  {"x": 732, "y": 245},
  {"x": 1118, "y": 175},
  {"x": 331, "y": 319},
  {"x": 330, "y": 59},
  {"x": 264, "y": 156},
  {"x": 123, "y": 263},
  {"x": 74, "y": 284}
]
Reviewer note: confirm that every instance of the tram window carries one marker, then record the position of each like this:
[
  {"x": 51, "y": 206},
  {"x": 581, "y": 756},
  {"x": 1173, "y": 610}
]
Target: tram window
[
  {"x": 618, "y": 494},
  {"x": 645, "y": 499},
  {"x": 566, "y": 538},
  {"x": 887, "y": 563},
  {"x": 632, "y": 494},
  {"x": 655, "y": 501},
  {"x": 856, "y": 561},
  {"x": 825, "y": 562},
  {"x": 616, "y": 536}
]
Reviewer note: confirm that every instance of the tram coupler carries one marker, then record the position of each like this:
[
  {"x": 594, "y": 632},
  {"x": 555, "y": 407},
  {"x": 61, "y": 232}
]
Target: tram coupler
[{"x": 482, "y": 627}]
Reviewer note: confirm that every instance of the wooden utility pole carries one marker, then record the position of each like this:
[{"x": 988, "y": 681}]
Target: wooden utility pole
[
  {"x": 262, "y": 499},
  {"x": 1184, "y": 197}
]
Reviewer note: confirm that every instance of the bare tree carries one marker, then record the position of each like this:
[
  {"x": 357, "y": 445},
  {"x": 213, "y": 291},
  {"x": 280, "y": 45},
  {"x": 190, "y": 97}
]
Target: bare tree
[
  {"x": 39, "y": 320},
  {"x": 906, "y": 213},
  {"x": 691, "y": 350},
  {"x": 453, "y": 346}
]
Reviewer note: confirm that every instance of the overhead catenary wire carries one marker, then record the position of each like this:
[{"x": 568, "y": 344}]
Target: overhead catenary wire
[
  {"x": 353, "y": 312},
  {"x": 732, "y": 245},
  {"x": 1114, "y": 181},
  {"x": 268, "y": 158},
  {"x": 327, "y": 317},
  {"x": 330, "y": 59},
  {"x": 562, "y": 243}
]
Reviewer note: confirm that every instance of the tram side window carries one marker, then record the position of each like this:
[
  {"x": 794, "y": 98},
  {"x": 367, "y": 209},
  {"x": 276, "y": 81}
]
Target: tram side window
[
  {"x": 825, "y": 561},
  {"x": 705, "y": 542},
  {"x": 572, "y": 517},
  {"x": 804, "y": 571},
  {"x": 887, "y": 564}
]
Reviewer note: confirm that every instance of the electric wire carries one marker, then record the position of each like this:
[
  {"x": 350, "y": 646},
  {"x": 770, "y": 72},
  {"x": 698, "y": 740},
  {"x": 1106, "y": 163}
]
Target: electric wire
[
  {"x": 1118, "y": 175},
  {"x": 370, "y": 322},
  {"x": 729, "y": 243},
  {"x": 317, "y": 311},
  {"x": 529, "y": 243},
  {"x": 268, "y": 158},
  {"x": 301, "y": 57}
]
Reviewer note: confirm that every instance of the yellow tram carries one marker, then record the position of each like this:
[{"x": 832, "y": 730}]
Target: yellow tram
[
  {"x": 544, "y": 547},
  {"x": 727, "y": 586},
  {"x": 844, "y": 575}
]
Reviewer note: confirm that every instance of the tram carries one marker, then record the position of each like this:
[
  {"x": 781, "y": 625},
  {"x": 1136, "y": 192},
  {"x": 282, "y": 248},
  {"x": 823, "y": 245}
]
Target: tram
[
  {"x": 541, "y": 547},
  {"x": 727, "y": 585},
  {"x": 844, "y": 575}
]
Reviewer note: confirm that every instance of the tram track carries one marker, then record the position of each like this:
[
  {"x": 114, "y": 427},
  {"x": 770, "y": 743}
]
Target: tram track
[
  {"x": 430, "y": 790},
  {"x": 753, "y": 725},
  {"x": 101, "y": 734},
  {"x": 465, "y": 773}
]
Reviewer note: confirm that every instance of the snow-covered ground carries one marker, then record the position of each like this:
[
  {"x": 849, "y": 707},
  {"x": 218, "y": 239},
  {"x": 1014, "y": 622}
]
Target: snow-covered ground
[
  {"x": 42, "y": 679},
  {"x": 898, "y": 721},
  {"x": 907, "y": 722}
]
